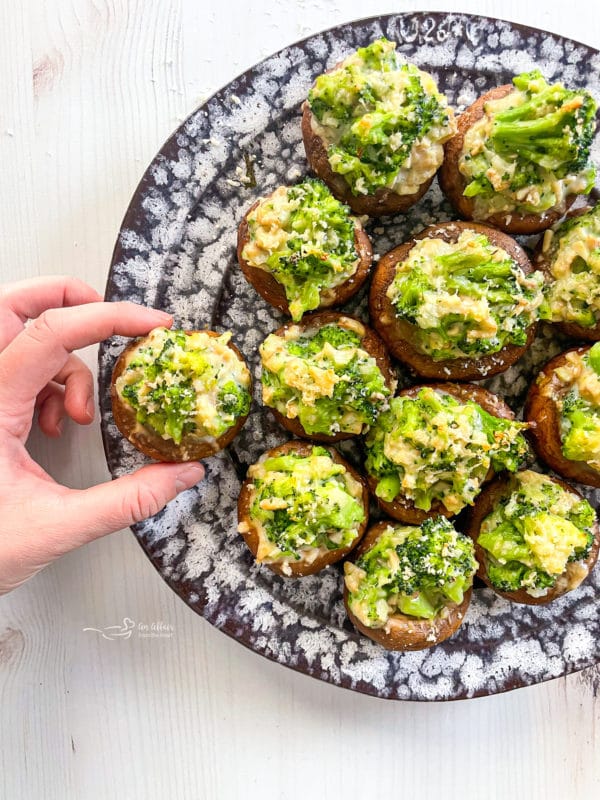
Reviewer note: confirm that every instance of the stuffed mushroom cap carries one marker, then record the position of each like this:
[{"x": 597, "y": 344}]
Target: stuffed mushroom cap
[
  {"x": 535, "y": 537},
  {"x": 407, "y": 587},
  {"x": 459, "y": 301},
  {"x": 181, "y": 395},
  {"x": 374, "y": 129},
  {"x": 521, "y": 155},
  {"x": 301, "y": 508}
]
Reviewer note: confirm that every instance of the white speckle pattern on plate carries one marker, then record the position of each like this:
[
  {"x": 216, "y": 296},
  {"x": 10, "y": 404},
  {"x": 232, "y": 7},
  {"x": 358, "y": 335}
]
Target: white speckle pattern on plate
[{"x": 176, "y": 251}]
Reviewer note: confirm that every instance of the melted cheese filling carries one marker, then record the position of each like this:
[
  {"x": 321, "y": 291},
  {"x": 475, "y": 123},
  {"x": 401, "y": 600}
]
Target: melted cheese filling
[
  {"x": 390, "y": 88},
  {"x": 438, "y": 301},
  {"x": 502, "y": 171},
  {"x": 572, "y": 293},
  {"x": 305, "y": 474},
  {"x": 222, "y": 366}
]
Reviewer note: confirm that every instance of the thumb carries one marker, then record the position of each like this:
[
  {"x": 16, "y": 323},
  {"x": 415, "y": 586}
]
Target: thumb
[{"x": 117, "y": 504}]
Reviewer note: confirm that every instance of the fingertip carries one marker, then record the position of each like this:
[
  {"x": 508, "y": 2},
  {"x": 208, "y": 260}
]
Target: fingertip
[
  {"x": 191, "y": 474},
  {"x": 50, "y": 425},
  {"x": 161, "y": 317},
  {"x": 51, "y": 415},
  {"x": 81, "y": 411},
  {"x": 90, "y": 411},
  {"x": 166, "y": 319}
]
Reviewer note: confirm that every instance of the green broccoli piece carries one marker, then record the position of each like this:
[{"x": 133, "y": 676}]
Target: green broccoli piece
[
  {"x": 594, "y": 358},
  {"x": 320, "y": 511},
  {"x": 437, "y": 557},
  {"x": 233, "y": 400},
  {"x": 336, "y": 335},
  {"x": 553, "y": 129},
  {"x": 433, "y": 566},
  {"x": 514, "y": 575},
  {"x": 320, "y": 251}
]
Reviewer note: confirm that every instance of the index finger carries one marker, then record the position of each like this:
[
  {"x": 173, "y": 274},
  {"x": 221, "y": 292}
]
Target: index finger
[
  {"x": 40, "y": 351},
  {"x": 27, "y": 299}
]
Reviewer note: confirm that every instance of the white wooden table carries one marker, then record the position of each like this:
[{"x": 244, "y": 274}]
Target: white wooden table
[{"x": 90, "y": 90}]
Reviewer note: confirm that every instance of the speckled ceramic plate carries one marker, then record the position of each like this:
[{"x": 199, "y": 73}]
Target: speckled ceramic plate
[{"x": 176, "y": 251}]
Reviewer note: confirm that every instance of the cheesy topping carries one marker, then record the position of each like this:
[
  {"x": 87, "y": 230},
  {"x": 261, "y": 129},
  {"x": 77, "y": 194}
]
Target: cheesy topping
[
  {"x": 573, "y": 253},
  {"x": 416, "y": 571},
  {"x": 302, "y": 506},
  {"x": 464, "y": 298},
  {"x": 434, "y": 448},
  {"x": 185, "y": 384},
  {"x": 575, "y": 389},
  {"x": 552, "y": 539},
  {"x": 530, "y": 149},
  {"x": 382, "y": 120},
  {"x": 305, "y": 239},
  {"x": 323, "y": 377},
  {"x": 536, "y": 530}
]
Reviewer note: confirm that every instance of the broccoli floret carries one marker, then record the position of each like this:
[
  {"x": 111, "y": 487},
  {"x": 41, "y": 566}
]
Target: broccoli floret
[
  {"x": 319, "y": 509},
  {"x": 379, "y": 55},
  {"x": 319, "y": 251},
  {"x": 372, "y": 139},
  {"x": 559, "y": 141},
  {"x": 336, "y": 335},
  {"x": 130, "y": 393},
  {"x": 514, "y": 575},
  {"x": 571, "y": 402},
  {"x": 594, "y": 358},
  {"x": 174, "y": 405},
  {"x": 416, "y": 570},
  {"x": 233, "y": 400},
  {"x": 437, "y": 557}
]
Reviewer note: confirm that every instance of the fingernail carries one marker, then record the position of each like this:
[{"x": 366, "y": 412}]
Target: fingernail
[
  {"x": 90, "y": 408},
  {"x": 60, "y": 425},
  {"x": 162, "y": 315},
  {"x": 188, "y": 476}
]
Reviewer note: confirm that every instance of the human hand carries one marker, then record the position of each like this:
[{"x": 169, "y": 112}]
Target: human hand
[{"x": 40, "y": 520}]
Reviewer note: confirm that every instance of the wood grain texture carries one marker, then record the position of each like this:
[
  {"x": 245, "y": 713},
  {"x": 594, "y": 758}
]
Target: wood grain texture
[{"x": 90, "y": 90}]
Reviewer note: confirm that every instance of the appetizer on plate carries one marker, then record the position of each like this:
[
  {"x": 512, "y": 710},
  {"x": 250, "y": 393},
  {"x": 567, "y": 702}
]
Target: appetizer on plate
[
  {"x": 521, "y": 155},
  {"x": 569, "y": 256},
  {"x": 536, "y": 538},
  {"x": 301, "y": 249},
  {"x": 458, "y": 302},
  {"x": 301, "y": 508},
  {"x": 326, "y": 378},
  {"x": 563, "y": 406},
  {"x": 373, "y": 130},
  {"x": 180, "y": 395},
  {"x": 431, "y": 452},
  {"x": 408, "y": 587}
]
